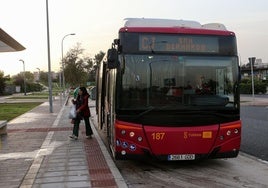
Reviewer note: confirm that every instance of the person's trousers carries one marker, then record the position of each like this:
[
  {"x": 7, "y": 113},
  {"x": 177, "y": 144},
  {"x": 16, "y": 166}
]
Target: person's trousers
[
  {"x": 76, "y": 127},
  {"x": 88, "y": 127},
  {"x": 87, "y": 124}
]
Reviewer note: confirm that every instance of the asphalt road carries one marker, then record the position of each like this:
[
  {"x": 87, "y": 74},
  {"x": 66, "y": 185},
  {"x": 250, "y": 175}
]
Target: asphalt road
[{"x": 255, "y": 131}]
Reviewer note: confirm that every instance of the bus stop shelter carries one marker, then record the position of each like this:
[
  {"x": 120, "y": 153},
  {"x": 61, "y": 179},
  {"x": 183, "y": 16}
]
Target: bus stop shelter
[{"x": 9, "y": 44}]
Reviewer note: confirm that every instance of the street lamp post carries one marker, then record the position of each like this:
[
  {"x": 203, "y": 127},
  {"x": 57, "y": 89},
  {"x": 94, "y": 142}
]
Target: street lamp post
[
  {"x": 63, "y": 77},
  {"x": 24, "y": 76},
  {"x": 252, "y": 61},
  {"x": 49, "y": 63},
  {"x": 38, "y": 81},
  {"x": 38, "y": 74}
]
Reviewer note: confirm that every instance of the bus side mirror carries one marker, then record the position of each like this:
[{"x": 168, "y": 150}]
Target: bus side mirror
[{"x": 112, "y": 58}]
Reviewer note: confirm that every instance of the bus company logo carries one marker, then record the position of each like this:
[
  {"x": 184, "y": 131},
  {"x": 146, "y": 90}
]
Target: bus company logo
[
  {"x": 207, "y": 134},
  {"x": 195, "y": 135},
  {"x": 187, "y": 135},
  {"x": 204, "y": 134}
]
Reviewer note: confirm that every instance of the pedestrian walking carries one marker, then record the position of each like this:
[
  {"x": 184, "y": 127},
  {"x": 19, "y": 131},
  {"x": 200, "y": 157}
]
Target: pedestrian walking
[{"x": 82, "y": 112}]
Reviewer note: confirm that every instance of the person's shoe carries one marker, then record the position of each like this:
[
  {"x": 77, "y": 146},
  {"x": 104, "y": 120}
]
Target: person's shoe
[{"x": 73, "y": 137}]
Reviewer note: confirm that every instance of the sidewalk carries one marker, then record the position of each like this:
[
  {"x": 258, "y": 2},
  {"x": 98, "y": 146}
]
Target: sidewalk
[
  {"x": 37, "y": 152},
  {"x": 247, "y": 100}
]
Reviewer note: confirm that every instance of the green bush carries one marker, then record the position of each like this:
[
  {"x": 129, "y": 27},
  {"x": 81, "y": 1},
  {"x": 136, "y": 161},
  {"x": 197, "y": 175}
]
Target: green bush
[
  {"x": 31, "y": 87},
  {"x": 246, "y": 86},
  {"x": 260, "y": 87}
]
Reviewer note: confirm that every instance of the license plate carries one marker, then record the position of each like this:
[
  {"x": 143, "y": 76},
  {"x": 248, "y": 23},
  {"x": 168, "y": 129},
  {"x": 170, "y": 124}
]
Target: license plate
[{"x": 181, "y": 157}]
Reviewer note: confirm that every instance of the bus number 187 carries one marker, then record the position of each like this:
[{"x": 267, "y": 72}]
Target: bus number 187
[{"x": 158, "y": 136}]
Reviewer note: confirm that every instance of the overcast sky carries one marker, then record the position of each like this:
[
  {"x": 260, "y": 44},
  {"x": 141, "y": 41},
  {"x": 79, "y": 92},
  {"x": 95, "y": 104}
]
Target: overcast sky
[{"x": 96, "y": 24}]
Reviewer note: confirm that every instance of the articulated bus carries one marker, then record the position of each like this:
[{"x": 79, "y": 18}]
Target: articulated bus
[{"x": 169, "y": 89}]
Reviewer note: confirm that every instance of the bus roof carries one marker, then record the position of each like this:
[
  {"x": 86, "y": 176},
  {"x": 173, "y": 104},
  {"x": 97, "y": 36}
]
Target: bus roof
[
  {"x": 173, "y": 26},
  {"x": 153, "y": 22},
  {"x": 150, "y": 22}
]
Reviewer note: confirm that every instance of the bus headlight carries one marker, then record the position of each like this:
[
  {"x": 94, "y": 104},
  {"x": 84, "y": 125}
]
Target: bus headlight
[
  {"x": 123, "y": 132},
  {"x": 131, "y": 134},
  {"x": 139, "y": 138}
]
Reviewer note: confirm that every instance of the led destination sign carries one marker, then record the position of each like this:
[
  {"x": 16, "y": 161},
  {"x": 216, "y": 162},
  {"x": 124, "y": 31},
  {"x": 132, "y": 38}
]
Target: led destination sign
[{"x": 182, "y": 43}]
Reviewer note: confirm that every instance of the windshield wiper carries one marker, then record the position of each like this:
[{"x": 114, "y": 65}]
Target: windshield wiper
[{"x": 145, "y": 112}]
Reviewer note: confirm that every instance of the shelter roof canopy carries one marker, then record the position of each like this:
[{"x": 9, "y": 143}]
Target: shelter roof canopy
[{"x": 9, "y": 44}]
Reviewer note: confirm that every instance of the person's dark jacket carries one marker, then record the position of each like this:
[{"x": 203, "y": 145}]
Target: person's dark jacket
[{"x": 82, "y": 107}]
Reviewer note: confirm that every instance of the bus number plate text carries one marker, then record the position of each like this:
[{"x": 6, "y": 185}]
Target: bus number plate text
[{"x": 181, "y": 157}]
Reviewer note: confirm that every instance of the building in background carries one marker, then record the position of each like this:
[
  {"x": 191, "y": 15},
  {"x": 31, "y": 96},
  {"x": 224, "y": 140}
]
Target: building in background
[{"x": 260, "y": 70}]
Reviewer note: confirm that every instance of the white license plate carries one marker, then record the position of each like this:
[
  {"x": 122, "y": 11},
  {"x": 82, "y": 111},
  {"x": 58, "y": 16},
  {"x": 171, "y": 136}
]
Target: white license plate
[{"x": 181, "y": 157}]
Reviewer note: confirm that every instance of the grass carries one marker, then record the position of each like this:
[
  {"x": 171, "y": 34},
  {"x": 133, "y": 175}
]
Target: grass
[
  {"x": 34, "y": 95},
  {"x": 30, "y": 97},
  {"x": 9, "y": 111}
]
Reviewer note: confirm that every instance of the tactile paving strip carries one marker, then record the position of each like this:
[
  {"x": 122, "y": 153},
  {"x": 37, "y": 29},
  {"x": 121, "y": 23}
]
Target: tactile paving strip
[{"x": 100, "y": 173}]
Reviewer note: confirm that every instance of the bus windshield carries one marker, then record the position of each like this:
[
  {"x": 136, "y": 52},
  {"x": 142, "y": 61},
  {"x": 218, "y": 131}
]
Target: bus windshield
[{"x": 177, "y": 82}]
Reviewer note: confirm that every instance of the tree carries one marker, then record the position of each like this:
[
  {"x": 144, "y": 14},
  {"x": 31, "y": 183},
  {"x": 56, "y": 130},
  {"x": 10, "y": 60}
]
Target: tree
[
  {"x": 98, "y": 58},
  {"x": 2, "y": 83},
  {"x": 75, "y": 68},
  {"x": 43, "y": 78},
  {"x": 78, "y": 69},
  {"x": 18, "y": 80},
  {"x": 29, "y": 76},
  {"x": 89, "y": 64}
]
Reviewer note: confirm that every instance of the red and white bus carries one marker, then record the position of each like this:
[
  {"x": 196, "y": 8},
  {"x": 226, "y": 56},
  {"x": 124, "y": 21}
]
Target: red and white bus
[{"x": 169, "y": 89}]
